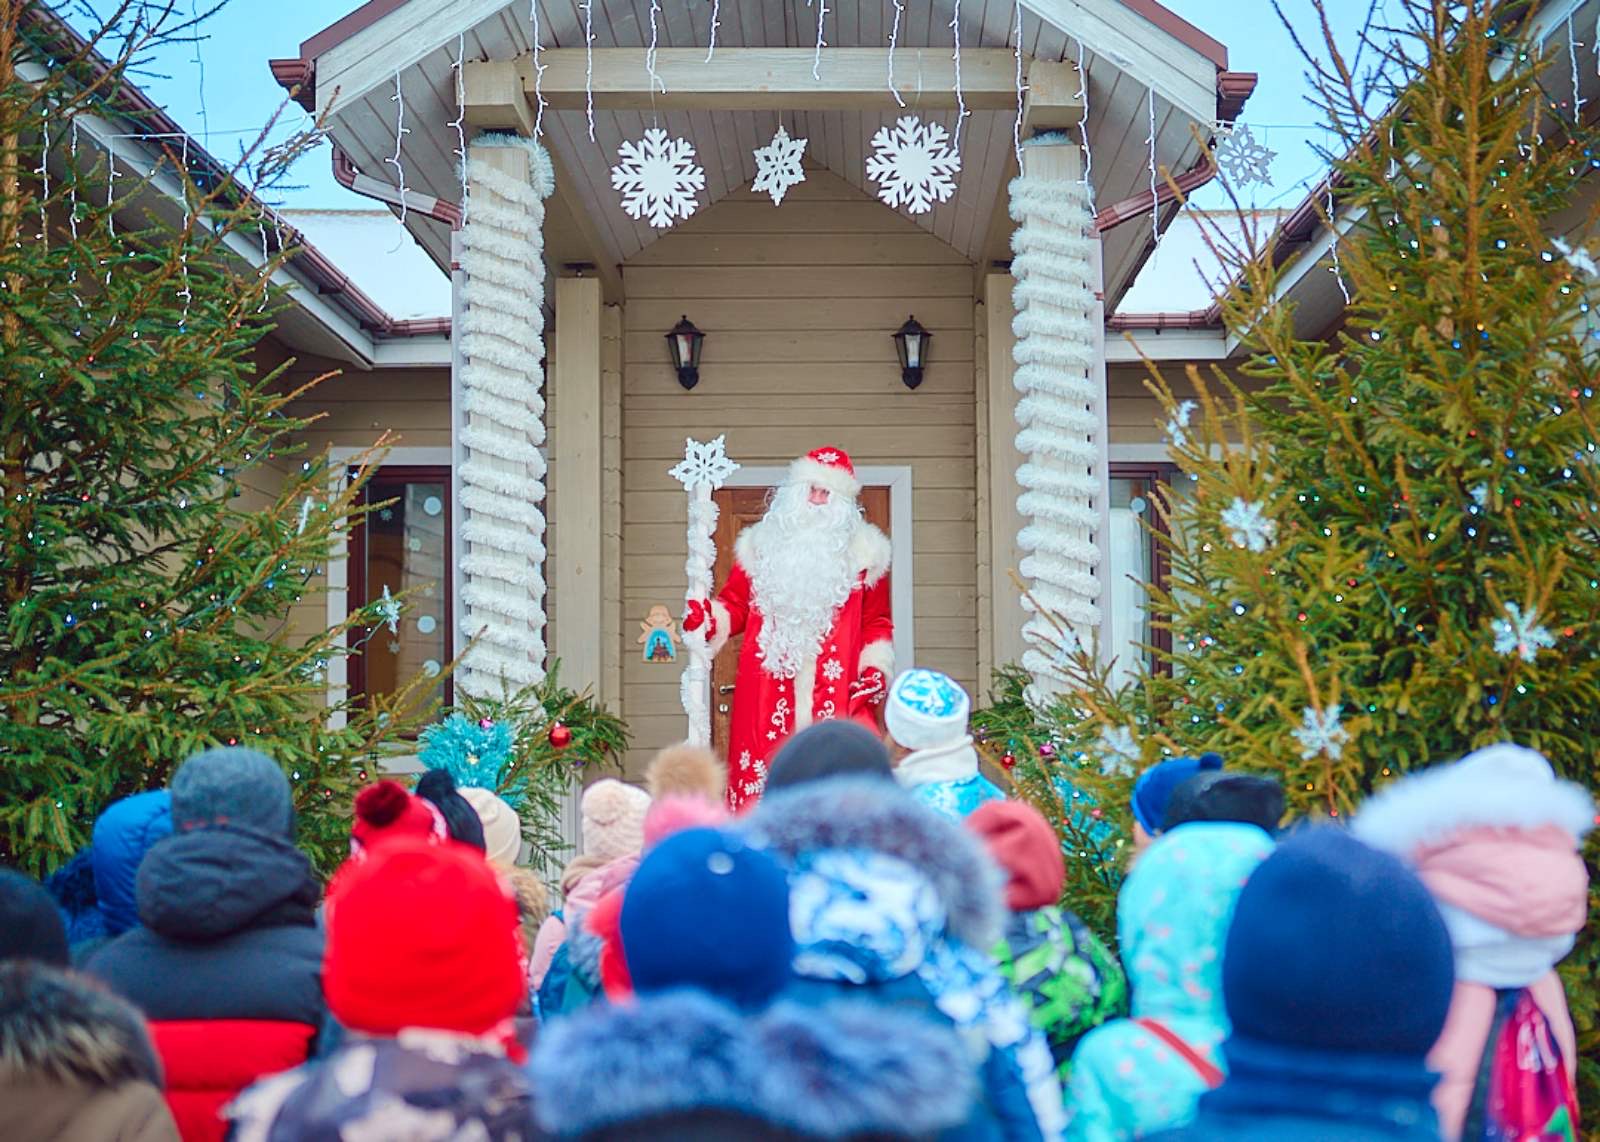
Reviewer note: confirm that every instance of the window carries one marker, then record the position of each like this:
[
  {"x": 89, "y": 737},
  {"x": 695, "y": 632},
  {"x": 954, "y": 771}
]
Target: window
[
  {"x": 1137, "y": 558},
  {"x": 404, "y": 546}
]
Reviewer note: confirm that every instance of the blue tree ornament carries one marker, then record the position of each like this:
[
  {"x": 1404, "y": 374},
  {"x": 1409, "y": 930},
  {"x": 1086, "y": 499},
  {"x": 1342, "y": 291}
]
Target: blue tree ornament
[{"x": 473, "y": 753}]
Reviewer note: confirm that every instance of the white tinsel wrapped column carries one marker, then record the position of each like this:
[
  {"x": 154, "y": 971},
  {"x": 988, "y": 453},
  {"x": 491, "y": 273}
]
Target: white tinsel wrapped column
[
  {"x": 1060, "y": 407},
  {"x": 500, "y": 415}
]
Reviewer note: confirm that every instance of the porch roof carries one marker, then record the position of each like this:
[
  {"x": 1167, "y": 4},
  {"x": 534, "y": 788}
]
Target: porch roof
[{"x": 1142, "y": 63}]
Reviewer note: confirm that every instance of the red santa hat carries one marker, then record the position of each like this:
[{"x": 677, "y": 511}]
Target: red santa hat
[{"x": 827, "y": 467}]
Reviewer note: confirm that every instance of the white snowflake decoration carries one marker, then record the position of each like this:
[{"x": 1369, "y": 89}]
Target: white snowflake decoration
[
  {"x": 706, "y": 463},
  {"x": 1178, "y": 423},
  {"x": 778, "y": 165},
  {"x": 913, "y": 164},
  {"x": 1577, "y": 257},
  {"x": 1118, "y": 751},
  {"x": 1480, "y": 494},
  {"x": 658, "y": 178},
  {"x": 388, "y": 609},
  {"x": 1321, "y": 733},
  {"x": 1521, "y": 634},
  {"x": 1244, "y": 161},
  {"x": 1248, "y": 525},
  {"x": 305, "y": 516}
]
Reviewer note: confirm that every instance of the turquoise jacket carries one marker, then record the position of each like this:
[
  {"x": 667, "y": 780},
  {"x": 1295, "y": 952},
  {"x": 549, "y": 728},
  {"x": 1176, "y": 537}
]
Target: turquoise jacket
[
  {"x": 1172, "y": 921},
  {"x": 947, "y": 780}
]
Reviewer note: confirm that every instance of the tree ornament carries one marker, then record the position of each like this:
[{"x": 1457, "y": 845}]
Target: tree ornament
[
  {"x": 1321, "y": 733},
  {"x": 1521, "y": 634},
  {"x": 1047, "y": 751},
  {"x": 1119, "y": 751},
  {"x": 778, "y": 165},
  {"x": 1577, "y": 257},
  {"x": 1008, "y": 761},
  {"x": 560, "y": 735},
  {"x": 1243, "y": 161},
  {"x": 658, "y": 178},
  {"x": 1178, "y": 423},
  {"x": 913, "y": 164},
  {"x": 1248, "y": 525}
]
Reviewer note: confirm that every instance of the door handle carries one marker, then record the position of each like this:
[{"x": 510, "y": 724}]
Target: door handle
[{"x": 728, "y": 689}]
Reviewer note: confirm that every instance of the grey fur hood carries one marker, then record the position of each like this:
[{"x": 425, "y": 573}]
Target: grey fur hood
[
  {"x": 877, "y": 815},
  {"x": 835, "y": 1072},
  {"x": 61, "y": 1028}
]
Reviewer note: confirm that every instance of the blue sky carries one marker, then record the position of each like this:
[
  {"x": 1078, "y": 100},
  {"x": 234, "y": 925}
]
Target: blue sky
[{"x": 225, "y": 97}]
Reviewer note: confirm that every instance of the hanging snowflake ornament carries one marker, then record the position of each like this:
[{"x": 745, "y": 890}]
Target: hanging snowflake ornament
[
  {"x": 1577, "y": 257},
  {"x": 658, "y": 178},
  {"x": 1480, "y": 494},
  {"x": 706, "y": 463},
  {"x": 1118, "y": 751},
  {"x": 1178, "y": 423},
  {"x": 1321, "y": 733},
  {"x": 388, "y": 611},
  {"x": 1521, "y": 634},
  {"x": 1248, "y": 525},
  {"x": 913, "y": 164},
  {"x": 1243, "y": 161},
  {"x": 778, "y": 165}
]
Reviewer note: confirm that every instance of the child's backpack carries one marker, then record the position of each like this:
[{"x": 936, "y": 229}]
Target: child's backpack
[{"x": 1524, "y": 1092}]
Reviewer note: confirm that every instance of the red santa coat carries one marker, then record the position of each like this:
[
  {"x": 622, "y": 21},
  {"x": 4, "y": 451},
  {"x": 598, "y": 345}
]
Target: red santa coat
[{"x": 767, "y": 709}]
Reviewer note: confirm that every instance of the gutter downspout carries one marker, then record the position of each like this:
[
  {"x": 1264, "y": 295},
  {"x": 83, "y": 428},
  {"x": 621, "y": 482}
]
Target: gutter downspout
[{"x": 347, "y": 176}]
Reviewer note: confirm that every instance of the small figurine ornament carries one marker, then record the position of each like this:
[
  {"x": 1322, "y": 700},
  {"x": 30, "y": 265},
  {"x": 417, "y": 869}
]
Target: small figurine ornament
[{"x": 659, "y": 635}]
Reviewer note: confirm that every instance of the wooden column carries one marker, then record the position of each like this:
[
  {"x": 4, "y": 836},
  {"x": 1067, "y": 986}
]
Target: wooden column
[
  {"x": 577, "y": 566},
  {"x": 1006, "y": 615},
  {"x": 612, "y": 625}
]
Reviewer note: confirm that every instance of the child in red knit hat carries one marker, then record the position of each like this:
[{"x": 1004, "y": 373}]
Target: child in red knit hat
[
  {"x": 425, "y": 968},
  {"x": 385, "y": 812}
]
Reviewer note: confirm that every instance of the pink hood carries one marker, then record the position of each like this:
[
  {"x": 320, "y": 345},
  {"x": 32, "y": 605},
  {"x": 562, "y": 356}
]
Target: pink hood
[{"x": 1530, "y": 882}]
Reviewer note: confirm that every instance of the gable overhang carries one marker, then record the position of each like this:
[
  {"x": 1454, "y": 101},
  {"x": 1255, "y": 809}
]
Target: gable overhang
[{"x": 1142, "y": 67}]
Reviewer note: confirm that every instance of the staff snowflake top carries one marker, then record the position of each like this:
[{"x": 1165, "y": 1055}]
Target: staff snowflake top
[
  {"x": 913, "y": 164},
  {"x": 658, "y": 178}
]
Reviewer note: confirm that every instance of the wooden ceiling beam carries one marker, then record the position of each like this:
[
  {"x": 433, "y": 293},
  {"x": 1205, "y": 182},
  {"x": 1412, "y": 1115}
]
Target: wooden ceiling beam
[{"x": 772, "y": 79}]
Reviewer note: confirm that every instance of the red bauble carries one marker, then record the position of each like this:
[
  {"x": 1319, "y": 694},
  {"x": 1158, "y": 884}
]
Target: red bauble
[
  {"x": 560, "y": 736},
  {"x": 1008, "y": 760}
]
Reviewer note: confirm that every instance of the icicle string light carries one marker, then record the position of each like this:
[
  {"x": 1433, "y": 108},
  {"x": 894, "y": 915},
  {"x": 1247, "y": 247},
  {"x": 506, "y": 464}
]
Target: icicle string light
[
  {"x": 716, "y": 22},
  {"x": 1336, "y": 269},
  {"x": 43, "y": 171},
  {"x": 458, "y": 124},
  {"x": 588, "y": 62},
  {"x": 1083, "y": 127},
  {"x": 955, "y": 57},
  {"x": 1572, "y": 52},
  {"x": 538, "y": 78},
  {"x": 650, "y": 52},
  {"x": 894, "y": 37},
  {"x": 1155, "y": 199},
  {"x": 400, "y": 133},
  {"x": 816, "y": 57},
  {"x": 72, "y": 212},
  {"x": 1016, "y": 126}
]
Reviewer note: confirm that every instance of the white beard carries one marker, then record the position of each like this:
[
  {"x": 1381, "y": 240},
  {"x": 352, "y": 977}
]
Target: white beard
[{"x": 801, "y": 573}]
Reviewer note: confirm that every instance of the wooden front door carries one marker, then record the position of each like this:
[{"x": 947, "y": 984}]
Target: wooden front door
[{"x": 737, "y": 509}]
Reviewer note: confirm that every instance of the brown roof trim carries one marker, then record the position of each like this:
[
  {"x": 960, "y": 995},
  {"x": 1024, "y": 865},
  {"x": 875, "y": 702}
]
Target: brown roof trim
[
  {"x": 299, "y": 78},
  {"x": 1208, "y": 318},
  {"x": 1233, "y": 88},
  {"x": 342, "y": 29}
]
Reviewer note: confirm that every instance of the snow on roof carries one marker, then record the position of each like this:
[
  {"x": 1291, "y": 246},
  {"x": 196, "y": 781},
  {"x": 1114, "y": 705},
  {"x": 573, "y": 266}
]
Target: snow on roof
[
  {"x": 1184, "y": 273},
  {"x": 379, "y": 255}
]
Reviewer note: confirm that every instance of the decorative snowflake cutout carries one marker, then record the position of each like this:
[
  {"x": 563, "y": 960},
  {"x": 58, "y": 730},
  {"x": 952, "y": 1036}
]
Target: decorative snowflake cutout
[
  {"x": 913, "y": 164},
  {"x": 1118, "y": 751},
  {"x": 1577, "y": 257},
  {"x": 778, "y": 165},
  {"x": 305, "y": 516},
  {"x": 1521, "y": 634},
  {"x": 1248, "y": 525},
  {"x": 1244, "y": 161},
  {"x": 1178, "y": 423},
  {"x": 828, "y": 457},
  {"x": 706, "y": 463},
  {"x": 658, "y": 178},
  {"x": 833, "y": 670},
  {"x": 1321, "y": 733},
  {"x": 1480, "y": 494},
  {"x": 388, "y": 610}
]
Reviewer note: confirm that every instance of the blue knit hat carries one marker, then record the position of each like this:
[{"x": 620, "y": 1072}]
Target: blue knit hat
[
  {"x": 1337, "y": 947},
  {"x": 232, "y": 785},
  {"x": 1155, "y": 786},
  {"x": 706, "y": 911}
]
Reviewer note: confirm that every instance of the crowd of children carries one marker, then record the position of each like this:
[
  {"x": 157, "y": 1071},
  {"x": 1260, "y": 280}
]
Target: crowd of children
[{"x": 878, "y": 949}]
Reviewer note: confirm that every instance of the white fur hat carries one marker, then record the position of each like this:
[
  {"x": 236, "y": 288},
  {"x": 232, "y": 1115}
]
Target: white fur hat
[
  {"x": 613, "y": 819},
  {"x": 502, "y": 828},
  {"x": 926, "y": 710},
  {"x": 829, "y": 468}
]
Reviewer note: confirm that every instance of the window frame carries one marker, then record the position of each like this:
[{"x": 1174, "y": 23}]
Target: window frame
[{"x": 1164, "y": 473}]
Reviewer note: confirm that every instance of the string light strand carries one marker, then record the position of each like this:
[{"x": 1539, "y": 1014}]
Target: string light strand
[
  {"x": 588, "y": 62},
  {"x": 400, "y": 133},
  {"x": 538, "y": 76},
  {"x": 458, "y": 124},
  {"x": 650, "y": 52},
  {"x": 1083, "y": 127},
  {"x": 716, "y": 22},
  {"x": 1572, "y": 53},
  {"x": 1336, "y": 269},
  {"x": 816, "y": 57},
  {"x": 894, "y": 37},
  {"x": 955, "y": 57},
  {"x": 1016, "y": 126},
  {"x": 1155, "y": 199}
]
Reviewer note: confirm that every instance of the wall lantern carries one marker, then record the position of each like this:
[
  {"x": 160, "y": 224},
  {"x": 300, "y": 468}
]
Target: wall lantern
[
  {"x": 911, "y": 342},
  {"x": 685, "y": 341}
]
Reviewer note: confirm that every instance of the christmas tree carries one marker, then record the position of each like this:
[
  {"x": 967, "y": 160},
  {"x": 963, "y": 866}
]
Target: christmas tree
[
  {"x": 143, "y": 605},
  {"x": 1383, "y": 545}
]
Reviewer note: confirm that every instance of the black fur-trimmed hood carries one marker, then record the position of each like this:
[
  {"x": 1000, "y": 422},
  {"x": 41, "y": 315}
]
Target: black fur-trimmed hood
[
  {"x": 835, "y": 1072},
  {"x": 61, "y": 1028},
  {"x": 877, "y": 815}
]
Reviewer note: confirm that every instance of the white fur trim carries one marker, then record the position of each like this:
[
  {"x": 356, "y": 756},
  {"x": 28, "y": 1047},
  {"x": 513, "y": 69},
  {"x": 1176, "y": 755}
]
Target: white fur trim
[
  {"x": 958, "y": 762},
  {"x": 805, "y": 470},
  {"x": 1500, "y": 786},
  {"x": 724, "y": 625},
  {"x": 879, "y": 654}
]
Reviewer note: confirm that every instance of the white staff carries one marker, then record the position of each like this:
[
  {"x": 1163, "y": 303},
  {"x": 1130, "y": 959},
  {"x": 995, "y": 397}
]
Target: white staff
[{"x": 704, "y": 469}]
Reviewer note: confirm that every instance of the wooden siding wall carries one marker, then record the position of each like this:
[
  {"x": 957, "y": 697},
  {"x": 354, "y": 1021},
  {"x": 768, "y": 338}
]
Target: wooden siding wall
[{"x": 797, "y": 304}]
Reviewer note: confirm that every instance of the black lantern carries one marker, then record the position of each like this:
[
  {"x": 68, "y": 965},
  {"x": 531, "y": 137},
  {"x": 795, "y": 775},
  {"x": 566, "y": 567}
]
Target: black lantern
[
  {"x": 685, "y": 341},
  {"x": 911, "y": 342}
]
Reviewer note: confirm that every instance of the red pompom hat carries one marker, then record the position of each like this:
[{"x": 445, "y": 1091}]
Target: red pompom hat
[
  {"x": 386, "y": 812},
  {"x": 827, "y": 467},
  {"x": 1027, "y": 850},
  {"x": 422, "y": 935}
]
